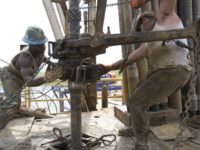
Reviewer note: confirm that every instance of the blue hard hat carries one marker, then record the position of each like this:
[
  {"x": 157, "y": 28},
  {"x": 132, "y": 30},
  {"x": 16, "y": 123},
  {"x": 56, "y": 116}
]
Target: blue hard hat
[{"x": 34, "y": 36}]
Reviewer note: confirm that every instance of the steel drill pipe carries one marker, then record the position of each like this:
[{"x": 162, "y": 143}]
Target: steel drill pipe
[
  {"x": 102, "y": 40},
  {"x": 117, "y": 39},
  {"x": 74, "y": 88}
]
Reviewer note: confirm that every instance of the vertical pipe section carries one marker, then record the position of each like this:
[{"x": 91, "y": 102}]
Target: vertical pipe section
[
  {"x": 91, "y": 87},
  {"x": 91, "y": 15},
  {"x": 125, "y": 92},
  {"x": 61, "y": 102},
  {"x": 196, "y": 9},
  {"x": 85, "y": 21},
  {"x": 74, "y": 22},
  {"x": 29, "y": 97},
  {"x": 185, "y": 11},
  {"x": 104, "y": 95},
  {"x": 142, "y": 64},
  {"x": 196, "y": 16},
  {"x": 75, "y": 99},
  {"x": 132, "y": 71},
  {"x": 74, "y": 88}
]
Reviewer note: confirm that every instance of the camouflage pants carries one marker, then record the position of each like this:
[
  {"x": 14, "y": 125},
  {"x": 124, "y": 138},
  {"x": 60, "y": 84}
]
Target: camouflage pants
[
  {"x": 153, "y": 90},
  {"x": 12, "y": 86}
]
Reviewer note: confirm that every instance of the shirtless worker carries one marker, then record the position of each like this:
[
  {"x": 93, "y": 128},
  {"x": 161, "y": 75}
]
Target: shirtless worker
[{"x": 21, "y": 73}]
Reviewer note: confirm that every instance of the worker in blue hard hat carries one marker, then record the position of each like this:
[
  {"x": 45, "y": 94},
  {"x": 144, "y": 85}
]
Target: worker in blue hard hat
[{"x": 22, "y": 70}]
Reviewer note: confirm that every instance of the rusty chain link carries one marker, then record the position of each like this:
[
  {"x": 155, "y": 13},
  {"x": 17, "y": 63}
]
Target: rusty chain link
[
  {"x": 192, "y": 85},
  {"x": 88, "y": 142},
  {"x": 109, "y": 5}
]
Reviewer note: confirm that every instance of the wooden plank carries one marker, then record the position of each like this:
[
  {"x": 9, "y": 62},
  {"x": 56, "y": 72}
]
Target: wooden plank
[
  {"x": 156, "y": 118},
  {"x": 163, "y": 116},
  {"x": 33, "y": 113},
  {"x": 169, "y": 131},
  {"x": 122, "y": 114},
  {"x": 15, "y": 132},
  {"x": 53, "y": 19}
]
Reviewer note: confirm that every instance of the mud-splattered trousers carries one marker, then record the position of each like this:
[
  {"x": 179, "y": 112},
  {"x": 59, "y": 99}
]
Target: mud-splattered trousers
[
  {"x": 159, "y": 85},
  {"x": 12, "y": 86}
]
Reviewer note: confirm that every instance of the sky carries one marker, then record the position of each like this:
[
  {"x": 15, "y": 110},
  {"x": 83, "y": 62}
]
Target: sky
[{"x": 17, "y": 15}]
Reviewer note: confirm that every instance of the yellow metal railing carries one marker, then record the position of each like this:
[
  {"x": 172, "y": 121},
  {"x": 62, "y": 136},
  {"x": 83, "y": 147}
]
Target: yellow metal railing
[{"x": 28, "y": 100}]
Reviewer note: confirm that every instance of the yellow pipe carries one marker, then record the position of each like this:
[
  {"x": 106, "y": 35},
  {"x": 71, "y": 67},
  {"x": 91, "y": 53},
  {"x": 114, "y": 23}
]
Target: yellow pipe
[
  {"x": 25, "y": 100},
  {"x": 63, "y": 99},
  {"x": 49, "y": 100},
  {"x": 29, "y": 97}
]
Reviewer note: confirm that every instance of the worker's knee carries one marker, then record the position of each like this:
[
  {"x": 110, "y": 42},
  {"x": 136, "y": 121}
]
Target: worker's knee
[
  {"x": 137, "y": 102},
  {"x": 135, "y": 99}
]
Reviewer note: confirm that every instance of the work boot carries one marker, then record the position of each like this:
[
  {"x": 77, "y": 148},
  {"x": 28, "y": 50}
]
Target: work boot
[
  {"x": 126, "y": 132},
  {"x": 4, "y": 119}
]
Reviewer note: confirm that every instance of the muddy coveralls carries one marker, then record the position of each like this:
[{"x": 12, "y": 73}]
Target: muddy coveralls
[
  {"x": 12, "y": 85},
  {"x": 169, "y": 69}
]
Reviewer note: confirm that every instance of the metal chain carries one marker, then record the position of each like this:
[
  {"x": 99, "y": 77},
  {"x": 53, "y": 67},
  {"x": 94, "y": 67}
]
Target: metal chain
[
  {"x": 192, "y": 85},
  {"x": 108, "y": 5},
  {"x": 74, "y": 15},
  {"x": 92, "y": 142},
  {"x": 102, "y": 140}
]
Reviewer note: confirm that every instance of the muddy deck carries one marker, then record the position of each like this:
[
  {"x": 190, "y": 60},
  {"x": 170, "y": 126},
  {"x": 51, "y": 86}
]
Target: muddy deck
[{"x": 29, "y": 133}]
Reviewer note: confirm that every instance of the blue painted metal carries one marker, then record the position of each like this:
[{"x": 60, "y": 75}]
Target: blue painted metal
[{"x": 111, "y": 86}]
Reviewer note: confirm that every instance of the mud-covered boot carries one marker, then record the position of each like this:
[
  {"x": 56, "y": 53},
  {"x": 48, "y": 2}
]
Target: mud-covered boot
[
  {"x": 126, "y": 132},
  {"x": 3, "y": 123},
  {"x": 4, "y": 119},
  {"x": 140, "y": 147}
]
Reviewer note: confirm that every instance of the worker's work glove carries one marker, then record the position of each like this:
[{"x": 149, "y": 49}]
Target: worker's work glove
[
  {"x": 138, "y": 3},
  {"x": 53, "y": 73},
  {"x": 121, "y": 64},
  {"x": 103, "y": 69},
  {"x": 47, "y": 61}
]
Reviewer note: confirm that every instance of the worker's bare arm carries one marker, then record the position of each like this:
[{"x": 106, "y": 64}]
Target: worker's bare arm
[
  {"x": 137, "y": 54},
  {"x": 167, "y": 7},
  {"x": 26, "y": 67},
  {"x": 166, "y": 15}
]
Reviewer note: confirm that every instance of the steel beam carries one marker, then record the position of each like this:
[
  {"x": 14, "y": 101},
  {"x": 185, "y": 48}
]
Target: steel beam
[{"x": 101, "y": 8}]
